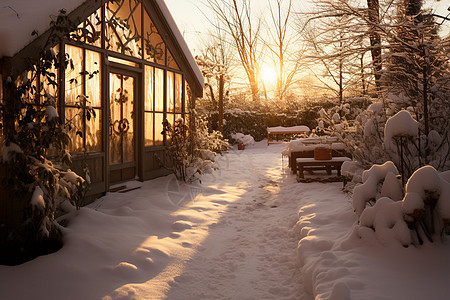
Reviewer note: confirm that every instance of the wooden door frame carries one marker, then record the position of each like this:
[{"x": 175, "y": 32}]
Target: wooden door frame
[{"x": 136, "y": 73}]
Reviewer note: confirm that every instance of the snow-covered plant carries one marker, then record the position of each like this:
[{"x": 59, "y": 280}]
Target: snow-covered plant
[
  {"x": 34, "y": 152},
  {"x": 193, "y": 150},
  {"x": 393, "y": 218},
  {"x": 385, "y": 221},
  {"x": 243, "y": 139},
  {"x": 334, "y": 120},
  {"x": 426, "y": 205},
  {"x": 177, "y": 147},
  {"x": 378, "y": 181}
]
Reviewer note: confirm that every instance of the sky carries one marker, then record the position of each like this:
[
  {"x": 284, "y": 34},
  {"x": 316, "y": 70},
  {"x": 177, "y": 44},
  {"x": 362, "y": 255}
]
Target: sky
[{"x": 192, "y": 16}]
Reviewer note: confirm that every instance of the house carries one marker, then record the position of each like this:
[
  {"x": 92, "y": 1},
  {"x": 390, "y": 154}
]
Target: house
[{"x": 132, "y": 67}]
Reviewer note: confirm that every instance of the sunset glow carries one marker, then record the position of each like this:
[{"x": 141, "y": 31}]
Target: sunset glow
[{"x": 269, "y": 76}]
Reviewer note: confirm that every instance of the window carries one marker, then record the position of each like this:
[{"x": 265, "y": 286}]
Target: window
[
  {"x": 154, "y": 106},
  {"x": 174, "y": 96},
  {"x": 129, "y": 30},
  {"x": 89, "y": 31},
  {"x": 82, "y": 97},
  {"x": 155, "y": 49},
  {"x": 123, "y": 32}
]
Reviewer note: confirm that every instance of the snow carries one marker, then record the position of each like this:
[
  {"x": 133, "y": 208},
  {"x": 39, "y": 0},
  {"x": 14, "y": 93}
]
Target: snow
[
  {"x": 336, "y": 117},
  {"x": 37, "y": 199},
  {"x": 369, "y": 128},
  {"x": 309, "y": 144},
  {"x": 386, "y": 219},
  {"x": 281, "y": 129},
  {"x": 401, "y": 124},
  {"x": 367, "y": 191},
  {"x": 19, "y": 18},
  {"x": 51, "y": 112},
  {"x": 250, "y": 231},
  {"x": 375, "y": 107},
  {"x": 426, "y": 182},
  {"x": 9, "y": 150},
  {"x": 243, "y": 139}
]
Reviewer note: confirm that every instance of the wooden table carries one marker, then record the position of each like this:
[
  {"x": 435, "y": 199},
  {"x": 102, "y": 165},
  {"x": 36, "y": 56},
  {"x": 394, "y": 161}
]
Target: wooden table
[
  {"x": 285, "y": 130},
  {"x": 334, "y": 163}
]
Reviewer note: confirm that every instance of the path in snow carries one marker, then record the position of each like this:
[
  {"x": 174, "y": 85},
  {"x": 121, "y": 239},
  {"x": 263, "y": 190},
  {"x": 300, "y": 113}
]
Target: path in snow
[
  {"x": 234, "y": 239},
  {"x": 250, "y": 252}
]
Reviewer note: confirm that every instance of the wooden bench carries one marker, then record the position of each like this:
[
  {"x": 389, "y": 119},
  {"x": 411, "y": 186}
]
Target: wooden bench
[
  {"x": 310, "y": 154},
  {"x": 285, "y": 130},
  {"x": 305, "y": 163}
]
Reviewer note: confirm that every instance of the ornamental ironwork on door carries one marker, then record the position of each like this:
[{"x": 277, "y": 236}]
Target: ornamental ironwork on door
[{"x": 121, "y": 123}]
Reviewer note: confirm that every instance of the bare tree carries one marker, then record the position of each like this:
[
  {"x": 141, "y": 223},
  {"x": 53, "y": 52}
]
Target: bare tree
[
  {"x": 215, "y": 63},
  {"x": 284, "y": 47},
  {"x": 244, "y": 29},
  {"x": 373, "y": 7},
  {"x": 336, "y": 43}
]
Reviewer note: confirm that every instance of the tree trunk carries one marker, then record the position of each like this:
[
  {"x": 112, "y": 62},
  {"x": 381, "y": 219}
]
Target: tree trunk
[
  {"x": 363, "y": 80},
  {"x": 220, "y": 104},
  {"x": 375, "y": 40}
]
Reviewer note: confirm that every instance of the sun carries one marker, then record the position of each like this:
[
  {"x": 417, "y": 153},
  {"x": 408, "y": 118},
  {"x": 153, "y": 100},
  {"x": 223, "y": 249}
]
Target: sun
[{"x": 269, "y": 75}]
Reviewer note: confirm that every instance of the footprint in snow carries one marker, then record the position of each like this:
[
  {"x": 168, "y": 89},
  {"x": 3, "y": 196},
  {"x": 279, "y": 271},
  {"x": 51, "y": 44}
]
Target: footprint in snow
[
  {"x": 125, "y": 269},
  {"x": 181, "y": 226}
]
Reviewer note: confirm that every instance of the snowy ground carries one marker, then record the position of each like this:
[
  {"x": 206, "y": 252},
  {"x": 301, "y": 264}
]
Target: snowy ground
[{"x": 250, "y": 231}]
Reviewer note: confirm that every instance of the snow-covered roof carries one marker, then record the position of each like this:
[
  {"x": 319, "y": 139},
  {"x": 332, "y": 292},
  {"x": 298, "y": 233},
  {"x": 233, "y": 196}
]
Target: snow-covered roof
[
  {"x": 179, "y": 37},
  {"x": 19, "y": 18}
]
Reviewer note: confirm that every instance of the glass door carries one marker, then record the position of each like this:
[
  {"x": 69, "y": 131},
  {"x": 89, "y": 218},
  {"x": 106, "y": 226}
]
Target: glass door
[{"x": 122, "y": 140}]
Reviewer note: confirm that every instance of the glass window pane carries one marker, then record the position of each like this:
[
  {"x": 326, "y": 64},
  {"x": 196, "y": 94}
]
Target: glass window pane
[
  {"x": 171, "y": 61},
  {"x": 74, "y": 117},
  {"x": 74, "y": 79},
  {"x": 115, "y": 86},
  {"x": 170, "y": 92},
  {"x": 94, "y": 132},
  {"x": 159, "y": 138},
  {"x": 89, "y": 31},
  {"x": 149, "y": 88},
  {"x": 159, "y": 90},
  {"x": 148, "y": 129},
  {"x": 187, "y": 97},
  {"x": 123, "y": 61},
  {"x": 128, "y": 119},
  {"x": 93, "y": 80},
  {"x": 178, "y": 92},
  {"x": 123, "y": 27},
  {"x": 93, "y": 29},
  {"x": 153, "y": 44}
]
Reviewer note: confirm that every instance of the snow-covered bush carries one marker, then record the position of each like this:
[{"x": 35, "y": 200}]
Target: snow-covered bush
[
  {"x": 378, "y": 181},
  {"x": 385, "y": 221},
  {"x": 427, "y": 202},
  {"x": 393, "y": 218},
  {"x": 34, "y": 154},
  {"x": 379, "y": 135},
  {"x": 193, "y": 150},
  {"x": 243, "y": 139}
]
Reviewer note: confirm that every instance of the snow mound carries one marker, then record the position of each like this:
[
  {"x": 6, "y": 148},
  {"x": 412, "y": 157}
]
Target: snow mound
[
  {"x": 385, "y": 218},
  {"x": 426, "y": 184},
  {"x": 8, "y": 152},
  {"x": 37, "y": 199},
  {"x": 401, "y": 124},
  {"x": 243, "y": 139},
  {"x": 368, "y": 190},
  {"x": 375, "y": 107}
]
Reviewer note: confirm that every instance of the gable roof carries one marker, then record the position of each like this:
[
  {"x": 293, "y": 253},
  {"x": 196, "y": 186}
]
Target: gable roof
[{"x": 19, "y": 18}]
